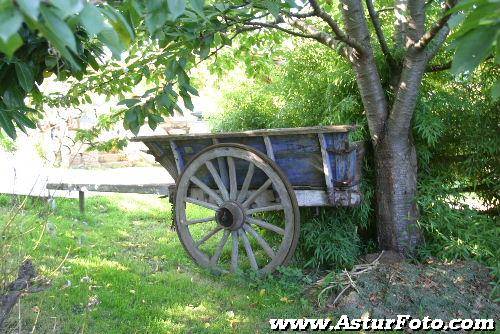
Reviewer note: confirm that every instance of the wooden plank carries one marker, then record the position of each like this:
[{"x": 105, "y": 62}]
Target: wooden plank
[
  {"x": 81, "y": 201},
  {"x": 269, "y": 148},
  {"x": 327, "y": 168},
  {"x": 254, "y": 133},
  {"x": 312, "y": 198},
  {"x": 156, "y": 189}
]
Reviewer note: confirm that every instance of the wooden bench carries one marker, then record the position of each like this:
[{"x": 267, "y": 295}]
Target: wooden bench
[{"x": 161, "y": 189}]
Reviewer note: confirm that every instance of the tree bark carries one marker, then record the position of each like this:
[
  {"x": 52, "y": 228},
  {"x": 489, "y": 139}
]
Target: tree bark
[
  {"x": 395, "y": 153},
  {"x": 396, "y": 189}
]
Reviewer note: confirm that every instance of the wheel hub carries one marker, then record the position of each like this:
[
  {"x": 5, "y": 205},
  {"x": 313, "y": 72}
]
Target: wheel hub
[{"x": 230, "y": 215}]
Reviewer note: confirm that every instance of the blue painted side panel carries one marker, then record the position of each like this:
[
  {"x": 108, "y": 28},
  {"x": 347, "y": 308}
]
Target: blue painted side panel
[{"x": 299, "y": 156}]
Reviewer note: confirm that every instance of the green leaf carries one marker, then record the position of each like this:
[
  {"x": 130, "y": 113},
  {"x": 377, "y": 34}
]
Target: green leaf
[
  {"x": 205, "y": 46},
  {"x": 484, "y": 14},
  {"x": 154, "y": 120},
  {"x": 131, "y": 115},
  {"x": 6, "y": 124},
  {"x": 59, "y": 28},
  {"x": 15, "y": 42},
  {"x": 30, "y": 8},
  {"x": 464, "y": 4},
  {"x": 164, "y": 101},
  {"x": 156, "y": 15},
  {"x": 495, "y": 91},
  {"x": 120, "y": 24},
  {"x": 176, "y": 8},
  {"x": 136, "y": 6},
  {"x": 92, "y": 20},
  {"x": 472, "y": 48},
  {"x": 221, "y": 7},
  {"x": 273, "y": 8},
  {"x": 13, "y": 97},
  {"x": 25, "y": 76},
  {"x": 171, "y": 69},
  {"x": 22, "y": 119},
  {"x": 68, "y": 7},
  {"x": 198, "y": 6},
  {"x": 129, "y": 102},
  {"x": 111, "y": 39},
  {"x": 187, "y": 99},
  {"x": 10, "y": 20}
]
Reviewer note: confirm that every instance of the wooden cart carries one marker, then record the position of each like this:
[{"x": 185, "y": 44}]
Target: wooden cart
[{"x": 247, "y": 187}]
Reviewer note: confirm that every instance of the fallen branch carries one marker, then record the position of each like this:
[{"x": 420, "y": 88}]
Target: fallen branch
[
  {"x": 346, "y": 279},
  {"x": 25, "y": 276}
]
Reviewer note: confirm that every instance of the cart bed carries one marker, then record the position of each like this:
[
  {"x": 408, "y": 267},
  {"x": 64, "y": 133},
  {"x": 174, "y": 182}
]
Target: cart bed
[{"x": 321, "y": 164}]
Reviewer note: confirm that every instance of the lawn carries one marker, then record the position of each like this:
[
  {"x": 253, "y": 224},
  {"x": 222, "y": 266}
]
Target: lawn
[{"x": 121, "y": 269}]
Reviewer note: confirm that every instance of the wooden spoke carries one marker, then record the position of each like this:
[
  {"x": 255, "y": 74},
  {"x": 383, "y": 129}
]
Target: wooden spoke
[
  {"x": 234, "y": 251},
  {"x": 265, "y": 209},
  {"x": 233, "y": 186},
  {"x": 257, "y": 193},
  {"x": 265, "y": 225},
  {"x": 200, "y": 220},
  {"x": 220, "y": 247},
  {"x": 202, "y": 203},
  {"x": 262, "y": 242},
  {"x": 246, "y": 183},
  {"x": 218, "y": 180},
  {"x": 207, "y": 190},
  {"x": 248, "y": 248},
  {"x": 208, "y": 236}
]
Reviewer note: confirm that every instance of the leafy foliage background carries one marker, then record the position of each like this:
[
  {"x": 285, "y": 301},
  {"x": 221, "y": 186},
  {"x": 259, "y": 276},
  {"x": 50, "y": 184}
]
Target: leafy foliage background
[{"x": 455, "y": 129}]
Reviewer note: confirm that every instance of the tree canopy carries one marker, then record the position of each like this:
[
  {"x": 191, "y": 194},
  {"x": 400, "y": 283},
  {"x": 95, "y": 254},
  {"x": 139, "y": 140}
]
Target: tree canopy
[{"x": 38, "y": 38}]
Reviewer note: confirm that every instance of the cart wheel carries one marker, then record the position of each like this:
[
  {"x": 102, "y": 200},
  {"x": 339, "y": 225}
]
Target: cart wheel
[{"x": 232, "y": 182}]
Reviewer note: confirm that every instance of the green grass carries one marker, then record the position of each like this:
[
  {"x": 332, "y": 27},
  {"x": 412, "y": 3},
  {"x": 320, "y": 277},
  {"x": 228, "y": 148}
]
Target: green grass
[{"x": 120, "y": 269}]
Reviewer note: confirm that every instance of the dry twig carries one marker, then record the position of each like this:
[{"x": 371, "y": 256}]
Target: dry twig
[{"x": 346, "y": 279}]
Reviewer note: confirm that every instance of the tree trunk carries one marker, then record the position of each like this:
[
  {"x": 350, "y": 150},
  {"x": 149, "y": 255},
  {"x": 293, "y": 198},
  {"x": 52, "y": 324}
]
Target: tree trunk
[{"x": 396, "y": 180}]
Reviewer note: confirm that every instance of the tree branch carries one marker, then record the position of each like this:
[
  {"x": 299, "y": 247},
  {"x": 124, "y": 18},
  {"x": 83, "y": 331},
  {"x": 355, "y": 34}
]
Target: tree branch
[
  {"x": 416, "y": 20},
  {"x": 436, "y": 28},
  {"x": 378, "y": 30},
  {"x": 365, "y": 67},
  {"x": 438, "y": 67},
  {"x": 399, "y": 122},
  {"x": 26, "y": 274},
  {"x": 438, "y": 41},
  {"x": 341, "y": 35},
  {"x": 276, "y": 26},
  {"x": 386, "y": 9},
  {"x": 302, "y": 15},
  {"x": 320, "y": 36}
]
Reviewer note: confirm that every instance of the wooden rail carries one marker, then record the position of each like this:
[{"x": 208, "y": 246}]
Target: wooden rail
[{"x": 150, "y": 188}]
